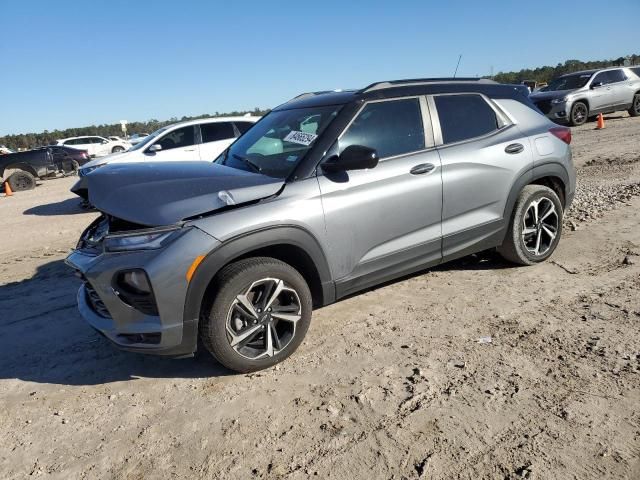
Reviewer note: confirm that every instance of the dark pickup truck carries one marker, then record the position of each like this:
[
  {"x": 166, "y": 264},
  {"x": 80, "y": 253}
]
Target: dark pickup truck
[{"x": 21, "y": 169}]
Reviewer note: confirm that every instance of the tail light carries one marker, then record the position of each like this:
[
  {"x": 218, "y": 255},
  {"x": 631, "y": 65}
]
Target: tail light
[{"x": 563, "y": 133}]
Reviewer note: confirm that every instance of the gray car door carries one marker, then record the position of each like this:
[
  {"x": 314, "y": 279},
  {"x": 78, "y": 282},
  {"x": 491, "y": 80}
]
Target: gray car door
[
  {"x": 482, "y": 154},
  {"x": 384, "y": 221},
  {"x": 601, "y": 96},
  {"x": 621, "y": 89}
]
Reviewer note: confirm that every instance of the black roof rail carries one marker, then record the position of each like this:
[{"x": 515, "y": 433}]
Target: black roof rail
[
  {"x": 313, "y": 94},
  {"x": 419, "y": 81}
]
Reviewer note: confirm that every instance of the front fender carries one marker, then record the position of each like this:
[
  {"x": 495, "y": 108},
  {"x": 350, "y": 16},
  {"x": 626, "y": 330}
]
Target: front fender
[{"x": 243, "y": 244}]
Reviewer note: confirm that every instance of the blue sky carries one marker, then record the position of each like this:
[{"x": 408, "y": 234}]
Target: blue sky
[{"x": 75, "y": 63}]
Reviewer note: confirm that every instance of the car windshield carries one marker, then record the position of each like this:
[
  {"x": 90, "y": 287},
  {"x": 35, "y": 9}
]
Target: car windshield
[
  {"x": 148, "y": 139},
  {"x": 278, "y": 142},
  {"x": 570, "y": 82}
]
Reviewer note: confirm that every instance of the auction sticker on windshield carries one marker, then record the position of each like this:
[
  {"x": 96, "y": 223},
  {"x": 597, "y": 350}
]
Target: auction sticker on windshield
[{"x": 302, "y": 138}]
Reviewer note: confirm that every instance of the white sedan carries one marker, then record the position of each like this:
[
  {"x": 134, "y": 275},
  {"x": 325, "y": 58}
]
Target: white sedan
[{"x": 95, "y": 146}]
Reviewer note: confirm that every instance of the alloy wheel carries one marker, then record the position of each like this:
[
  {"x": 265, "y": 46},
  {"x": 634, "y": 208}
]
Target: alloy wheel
[
  {"x": 636, "y": 105},
  {"x": 579, "y": 113},
  {"x": 262, "y": 320},
  {"x": 540, "y": 226}
]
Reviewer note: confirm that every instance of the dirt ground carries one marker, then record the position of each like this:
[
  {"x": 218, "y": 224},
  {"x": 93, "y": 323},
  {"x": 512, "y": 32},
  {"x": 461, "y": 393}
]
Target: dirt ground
[{"x": 392, "y": 383}]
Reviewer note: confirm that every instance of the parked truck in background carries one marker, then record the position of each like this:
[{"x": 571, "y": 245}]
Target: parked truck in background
[{"x": 21, "y": 169}]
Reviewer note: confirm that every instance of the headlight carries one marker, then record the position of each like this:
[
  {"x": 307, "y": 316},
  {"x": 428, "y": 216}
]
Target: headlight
[
  {"x": 151, "y": 240},
  {"x": 87, "y": 170},
  {"x": 559, "y": 100}
]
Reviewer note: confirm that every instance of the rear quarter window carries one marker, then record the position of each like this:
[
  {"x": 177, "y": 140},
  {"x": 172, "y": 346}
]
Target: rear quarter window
[{"x": 212, "y": 132}]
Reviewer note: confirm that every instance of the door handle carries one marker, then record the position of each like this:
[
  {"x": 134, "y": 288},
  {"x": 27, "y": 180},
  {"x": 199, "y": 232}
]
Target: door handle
[
  {"x": 189, "y": 149},
  {"x": 422, "y": 168},
  {"x": 514, "y": 148}
]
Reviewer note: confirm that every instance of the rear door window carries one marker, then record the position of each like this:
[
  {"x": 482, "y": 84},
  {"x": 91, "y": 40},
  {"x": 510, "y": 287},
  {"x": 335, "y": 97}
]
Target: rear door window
[
  {"x": 243, "y": 126},
  {"x": 617, "y": 76},
  {"x": 212, "y": 132},
  {"x": 181, "y": 137},
  {"x": 463, "y": 117},
  {"x": 391, "y": 127},
  {"x": 636, "y": 70}
]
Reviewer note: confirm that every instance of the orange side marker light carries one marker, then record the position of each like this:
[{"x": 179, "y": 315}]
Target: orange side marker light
[{"x": 193, "y": 267}]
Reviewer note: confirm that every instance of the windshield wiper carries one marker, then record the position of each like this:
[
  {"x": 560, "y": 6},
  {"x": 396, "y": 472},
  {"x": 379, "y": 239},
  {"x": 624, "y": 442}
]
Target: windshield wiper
[{"x": 255, "y": 167}]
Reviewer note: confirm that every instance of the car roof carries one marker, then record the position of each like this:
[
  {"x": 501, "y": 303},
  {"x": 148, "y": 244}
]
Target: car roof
[
  {"x": 81, "y": 136},
  {"x": 590, "y": 72},
  {"x": 200, "y": 121},
  {"x": 408, "y": 87}
]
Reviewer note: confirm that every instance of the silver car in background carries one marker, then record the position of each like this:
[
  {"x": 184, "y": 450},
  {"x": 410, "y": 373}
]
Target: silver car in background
[
  {"x": 329, "y": 194},
  {"x": 576, "y": 97}
]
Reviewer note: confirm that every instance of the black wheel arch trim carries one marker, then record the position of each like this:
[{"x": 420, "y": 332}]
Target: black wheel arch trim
[
  {"x": 551, "y": 169},
  {"x": 36, "y": 172},
  {"x": 238, "y": 246},
  {"x": 584, "y": 101}
]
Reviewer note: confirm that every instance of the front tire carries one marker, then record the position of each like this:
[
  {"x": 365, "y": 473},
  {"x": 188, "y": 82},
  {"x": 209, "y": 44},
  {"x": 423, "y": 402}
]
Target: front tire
[
  {"x": 535, "y": 227},
  {"x": 259, "y": 316},
  {"x": 579, "y": 114},
  {"x": 634, "y": 111}
]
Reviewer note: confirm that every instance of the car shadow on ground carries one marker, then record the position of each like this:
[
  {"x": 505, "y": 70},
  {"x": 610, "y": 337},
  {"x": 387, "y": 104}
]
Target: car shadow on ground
[
  {"x": 45, "y": 340},
  {"x": 487, "y": 260},
  {"x": 70, "y": 206}
]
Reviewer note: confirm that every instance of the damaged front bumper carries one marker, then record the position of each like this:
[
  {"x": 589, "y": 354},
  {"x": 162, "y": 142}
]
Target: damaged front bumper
[{"x": 155, "y": 324}]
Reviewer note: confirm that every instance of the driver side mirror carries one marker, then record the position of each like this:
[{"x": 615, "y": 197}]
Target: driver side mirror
[
  {"x": 156, "y": 147},
  {"x": 596, "y": 85},
  {"x": 354, "y": 157}
]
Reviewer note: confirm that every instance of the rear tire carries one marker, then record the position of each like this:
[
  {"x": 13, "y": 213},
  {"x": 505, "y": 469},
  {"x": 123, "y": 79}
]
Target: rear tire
[
  {"x": 20, "y": 181},
  {"x": 579, "y": 114},
  {"x": 259, "y": 316},
  {"x": 634, "y": 111},
  {"x": 117, "y": 149},
  {"x": 535, "y": 227}
]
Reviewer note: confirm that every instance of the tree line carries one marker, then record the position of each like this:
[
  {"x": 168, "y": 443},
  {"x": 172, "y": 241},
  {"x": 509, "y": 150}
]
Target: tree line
[
  {"x": 547, "y": 73},
  {"x": 540, "y": 74},
  {"x": 32, "y": 140}
]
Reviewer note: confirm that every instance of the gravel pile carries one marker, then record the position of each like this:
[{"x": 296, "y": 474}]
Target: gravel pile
[{"x": 592, "y": 200}]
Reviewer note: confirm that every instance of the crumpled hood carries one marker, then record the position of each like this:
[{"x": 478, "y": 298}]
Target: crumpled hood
[
  {"x": 164, "y": 193},
  {"x": 535, "y": 97}
]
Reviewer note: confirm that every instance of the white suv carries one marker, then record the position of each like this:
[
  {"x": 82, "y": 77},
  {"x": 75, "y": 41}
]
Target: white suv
[
  {"x": 95, "y": 146},
  {"x": 203, "y": 139}
]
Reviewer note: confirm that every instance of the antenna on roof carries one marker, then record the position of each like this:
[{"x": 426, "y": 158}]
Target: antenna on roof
[{"x": 456, "y": 72}]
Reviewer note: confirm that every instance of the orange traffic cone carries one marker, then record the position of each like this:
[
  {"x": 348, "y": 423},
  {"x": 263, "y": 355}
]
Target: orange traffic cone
[
  {"x": 7, "y": 190},
  {"x": 600, "y": 122}
]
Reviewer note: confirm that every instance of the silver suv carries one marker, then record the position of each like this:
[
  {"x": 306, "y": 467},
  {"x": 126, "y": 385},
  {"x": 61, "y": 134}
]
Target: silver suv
[
  {"x": 327, "y": 195},
  {"x": 576, "y": 97}
]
